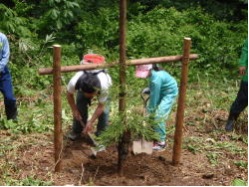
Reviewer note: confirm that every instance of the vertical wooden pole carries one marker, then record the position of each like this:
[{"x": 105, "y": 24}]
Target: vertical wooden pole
[
  {"x": 122, "y": 56},
  {"x": 57, "y": 106},
  {"x": 181, "y": 103},
  {"x": 123, "y": 146}
]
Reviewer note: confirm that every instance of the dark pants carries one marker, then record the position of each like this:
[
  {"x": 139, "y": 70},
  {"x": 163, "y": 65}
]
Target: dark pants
[
  {"x": 7, "y": 91},
  {"x": 240, "y": 102},
  {"x": 82, "y": 105}
]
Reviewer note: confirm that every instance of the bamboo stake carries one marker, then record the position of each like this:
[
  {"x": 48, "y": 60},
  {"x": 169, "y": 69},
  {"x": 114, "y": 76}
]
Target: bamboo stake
[
  {"x": 57, "y": 106},
  {"x": 181, "y": 103},
  {"x": 45, "y": 71}
]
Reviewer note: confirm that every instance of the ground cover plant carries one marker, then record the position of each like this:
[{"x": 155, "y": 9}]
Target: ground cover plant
[{"x": 210, "y": 156}]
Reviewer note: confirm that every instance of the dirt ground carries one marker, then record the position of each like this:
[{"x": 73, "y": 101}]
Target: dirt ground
[{"x": 80, "y": 168}]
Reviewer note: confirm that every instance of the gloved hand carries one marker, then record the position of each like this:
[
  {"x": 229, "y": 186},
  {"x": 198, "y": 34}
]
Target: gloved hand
[{"x": 146, "y": 91}]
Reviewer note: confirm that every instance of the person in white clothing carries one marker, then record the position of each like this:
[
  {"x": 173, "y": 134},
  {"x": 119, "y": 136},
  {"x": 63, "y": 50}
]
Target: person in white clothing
[{"x": 89, "y": 84}]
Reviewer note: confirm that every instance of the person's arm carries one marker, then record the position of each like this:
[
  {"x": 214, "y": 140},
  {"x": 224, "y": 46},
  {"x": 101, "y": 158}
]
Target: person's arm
[
  {"x": 98, "y": 111},
  {"x": 5, "y": 52},
  {"x": 72, "y": 104},
  {"x": 70, "y": 95}
]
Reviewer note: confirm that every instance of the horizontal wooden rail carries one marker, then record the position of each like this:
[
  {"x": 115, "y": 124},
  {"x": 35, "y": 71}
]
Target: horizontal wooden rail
[{"x": 45, "y": 71}]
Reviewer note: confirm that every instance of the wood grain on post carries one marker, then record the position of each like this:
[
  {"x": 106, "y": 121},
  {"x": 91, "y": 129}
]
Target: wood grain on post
[
  {"x": 181, "y": 103},
  {"x": 58, "y": 135}
]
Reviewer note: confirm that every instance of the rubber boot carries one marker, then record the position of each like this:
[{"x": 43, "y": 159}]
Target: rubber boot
[
  {"x": 229, "y": 125},
  {"x": 11, "y": 112},
  {"x": 230, "y": 122}
]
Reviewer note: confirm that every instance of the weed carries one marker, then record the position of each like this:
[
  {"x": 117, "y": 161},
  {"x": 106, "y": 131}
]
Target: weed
[
  {"x": 239, "y": 182},
  {"x": 241, "y": 164},
  {"x": 213, "y": 158}
]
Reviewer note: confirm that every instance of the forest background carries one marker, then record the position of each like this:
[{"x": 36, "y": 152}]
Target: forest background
[{"x": 155, "y": 28}]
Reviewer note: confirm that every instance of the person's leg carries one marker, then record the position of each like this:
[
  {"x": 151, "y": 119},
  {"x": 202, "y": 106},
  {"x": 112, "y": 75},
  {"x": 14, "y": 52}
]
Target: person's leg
[
  {"x": 103, "y": 120},
  {"x": 82, "y": 105},
  {"x": 9, "y": 98},
  {"x": 238, "y": 105},
  {"x": 162, "y": 114}
]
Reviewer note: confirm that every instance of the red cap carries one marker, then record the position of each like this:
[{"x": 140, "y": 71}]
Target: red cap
[{"x": 94, "y": 58}]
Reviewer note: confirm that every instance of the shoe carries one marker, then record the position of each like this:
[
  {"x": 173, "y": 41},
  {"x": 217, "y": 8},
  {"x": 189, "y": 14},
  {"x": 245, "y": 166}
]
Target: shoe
[
  {"x": 100, "y": 148},
  {"x": 159, "y": 146},
  {"x": 229, "y": 125},
  {"x": 73, "y": 136}
]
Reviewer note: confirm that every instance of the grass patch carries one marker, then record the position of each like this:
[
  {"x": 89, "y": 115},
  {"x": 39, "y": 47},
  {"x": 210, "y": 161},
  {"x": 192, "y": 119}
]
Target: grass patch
[{"x": 205, "y": 115}]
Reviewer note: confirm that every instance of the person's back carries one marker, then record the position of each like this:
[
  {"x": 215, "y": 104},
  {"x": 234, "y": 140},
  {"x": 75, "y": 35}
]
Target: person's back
[{"x": 164, "y": 79}]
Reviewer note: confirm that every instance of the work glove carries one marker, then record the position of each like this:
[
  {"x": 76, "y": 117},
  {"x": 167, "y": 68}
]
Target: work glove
[{"x": 146, "y": 91}]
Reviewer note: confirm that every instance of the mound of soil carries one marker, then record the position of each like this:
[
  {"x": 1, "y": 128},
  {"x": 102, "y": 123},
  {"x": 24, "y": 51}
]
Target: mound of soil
[{"x": 139, "y": 170}]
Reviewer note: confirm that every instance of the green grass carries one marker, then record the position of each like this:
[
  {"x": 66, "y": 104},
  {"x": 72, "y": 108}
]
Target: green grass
[{"x": 207, "y": 106}]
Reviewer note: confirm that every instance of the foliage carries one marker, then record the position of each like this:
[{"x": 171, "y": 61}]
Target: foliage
[
  {"x": 11, "y": 23},
  {"x": 57, "y": 15},
  {"x": 154, "y": 28},
  {"x": 36, "y": 115},
  {"x": 30, "y": 122},
  {"x": 213, "y": 158},
  {"x": 99, "y": 33},
  {"x": 151, "y": 35},
  {"x": 228, "y": 10},
  {"x": 29, "y": 181},
  {"x": 136, "y": 123},
  {"x": 241, "y": 164},
  {"x": 239, "y": 182}
]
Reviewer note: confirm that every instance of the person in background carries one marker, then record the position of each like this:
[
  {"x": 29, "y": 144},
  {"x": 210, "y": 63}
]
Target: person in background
[
  {"x": 89, "y": 84},
  {"x": 163, "y": 91},
  {"x": 241, "y": 101},
  {"x": 6, "y": 81}
]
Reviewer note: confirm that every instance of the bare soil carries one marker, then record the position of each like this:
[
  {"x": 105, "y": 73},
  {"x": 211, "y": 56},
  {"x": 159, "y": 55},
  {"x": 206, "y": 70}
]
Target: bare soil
[{"x": 36, "y": 158}]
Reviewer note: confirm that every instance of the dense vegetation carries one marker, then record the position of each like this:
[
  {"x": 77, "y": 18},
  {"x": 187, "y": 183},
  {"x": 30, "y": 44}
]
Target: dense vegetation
[{"x": 154, "y": 28}]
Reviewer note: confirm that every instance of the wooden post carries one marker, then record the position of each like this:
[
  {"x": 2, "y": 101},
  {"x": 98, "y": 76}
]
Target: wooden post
[
  {"x": 181, "y": 103},
  {"x": 57, "y": 107},
  {"x": 123, "y": 146},
  {"x": 72, "y": 68}
]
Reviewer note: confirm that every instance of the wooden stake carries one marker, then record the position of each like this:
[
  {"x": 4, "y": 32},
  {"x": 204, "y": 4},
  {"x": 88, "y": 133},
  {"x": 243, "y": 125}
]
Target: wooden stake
[
  {"x": 57, "y": 107},
  {"x": 181, "y": 103}
]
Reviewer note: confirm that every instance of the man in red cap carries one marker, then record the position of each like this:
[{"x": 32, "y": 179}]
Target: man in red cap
[{"x": 87, "y": 85}]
